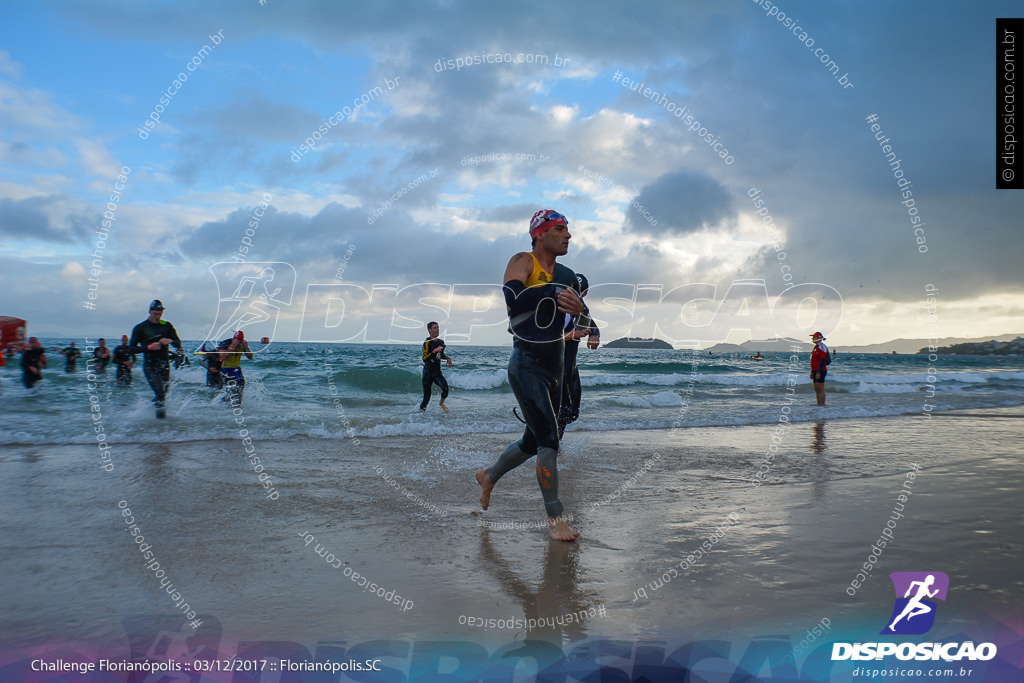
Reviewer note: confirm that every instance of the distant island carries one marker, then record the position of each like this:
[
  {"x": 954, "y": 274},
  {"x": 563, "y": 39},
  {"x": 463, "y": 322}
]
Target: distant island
[
  {"x": 638, "y": 343},
  {"x": 908, "y": 346},
  {"x": 985, "y": 348},
  {"x": 763, "y": 345}
]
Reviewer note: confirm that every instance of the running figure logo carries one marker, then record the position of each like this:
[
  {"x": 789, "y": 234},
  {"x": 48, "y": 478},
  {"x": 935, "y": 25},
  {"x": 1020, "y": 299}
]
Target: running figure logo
[
  {"x": 914, "y": 612},
  {"x": 250, "y": 298}
]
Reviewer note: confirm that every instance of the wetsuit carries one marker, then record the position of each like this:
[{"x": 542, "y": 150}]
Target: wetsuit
[
  {"x": 572, "y": 389},
  {"x": 123, "y": 354},
  {"x": 432, "y": 370},
  {"x": 212, "y": 364},
  {"x": 231, "y": 370},
  {"x": 820, "y": 359},
  {"x": 535, "y": 374},
  {"x": 71, "y": 356},
  {"x": 32, "y": 358},
  {"x": 101, "y": 357},
  {"x": 155, "y": 364}
]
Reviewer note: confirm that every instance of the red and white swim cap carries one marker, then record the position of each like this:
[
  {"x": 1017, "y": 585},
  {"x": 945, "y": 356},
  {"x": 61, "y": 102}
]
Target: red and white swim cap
[{"x": 544, "y": 220}]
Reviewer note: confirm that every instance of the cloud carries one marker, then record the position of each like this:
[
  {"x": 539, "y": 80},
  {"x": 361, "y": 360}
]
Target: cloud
[
  {"x": 682, "y": 202},
  {"x": 794, "y": 133},
  {"x": 73, "y": 273},
  {"x": 25, "y": 154},
  {"x": 29, "y": 219},
  {"x": 97, "y": 159},
  {"x": 33, "y": 112},
  {"x": 9, "y": 67}
]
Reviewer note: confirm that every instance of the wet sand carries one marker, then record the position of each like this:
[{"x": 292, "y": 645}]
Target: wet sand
[{"x": 73, "y": 574}]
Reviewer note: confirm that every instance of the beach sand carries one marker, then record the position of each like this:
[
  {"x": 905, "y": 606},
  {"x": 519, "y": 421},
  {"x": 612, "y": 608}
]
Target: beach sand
[{"x": 73, "y": 574}]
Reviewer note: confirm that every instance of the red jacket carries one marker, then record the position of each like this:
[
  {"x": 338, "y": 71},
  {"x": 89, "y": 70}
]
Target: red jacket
[{"x": 818, "y": 357}]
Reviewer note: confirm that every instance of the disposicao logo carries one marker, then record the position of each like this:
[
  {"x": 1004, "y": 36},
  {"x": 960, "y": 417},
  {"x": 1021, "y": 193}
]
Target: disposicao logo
[{"x": 913, "y": 614}]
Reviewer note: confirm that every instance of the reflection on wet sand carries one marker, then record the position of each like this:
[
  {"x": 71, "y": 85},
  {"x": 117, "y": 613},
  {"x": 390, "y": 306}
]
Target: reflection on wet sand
[{"x": 556, "y": 597}]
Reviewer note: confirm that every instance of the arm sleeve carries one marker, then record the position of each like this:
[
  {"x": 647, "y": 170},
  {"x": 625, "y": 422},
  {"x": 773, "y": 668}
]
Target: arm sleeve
[
  {"x": 590, "y": 321},
  {"x": 173, "y": 336},
  {"x": 520, "y": 299},
  {"x": 136, "y": 342}
]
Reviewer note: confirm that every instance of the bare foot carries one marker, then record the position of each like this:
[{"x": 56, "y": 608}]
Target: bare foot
[
  {"x": 560, "y": 531},
  {"x": 486, "y": 485},
  {"x": 444, "y": 407},
  {"x": 423, "y": 410}
]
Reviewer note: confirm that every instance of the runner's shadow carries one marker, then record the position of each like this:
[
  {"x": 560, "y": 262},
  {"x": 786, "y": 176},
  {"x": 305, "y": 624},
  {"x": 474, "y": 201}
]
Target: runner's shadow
[{"x": 557, "y": 596}]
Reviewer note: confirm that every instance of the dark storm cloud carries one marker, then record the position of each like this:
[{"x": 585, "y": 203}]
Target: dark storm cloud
[{"x": 681, "y": 202}]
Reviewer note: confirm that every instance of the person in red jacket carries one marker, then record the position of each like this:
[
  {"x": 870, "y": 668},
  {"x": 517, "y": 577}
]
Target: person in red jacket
[{"x": 820, "y": 358}]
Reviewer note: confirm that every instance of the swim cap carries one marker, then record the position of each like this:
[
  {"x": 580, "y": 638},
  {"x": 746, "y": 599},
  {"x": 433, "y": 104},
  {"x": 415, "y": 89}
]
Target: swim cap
[
  {"x": 583, "y": 282},
  {"x": 240, "y": 335},
  {"x": 544, "y": 220},
  {"x": 156, "y": 305},
  {"x": 124, "y": 338}
]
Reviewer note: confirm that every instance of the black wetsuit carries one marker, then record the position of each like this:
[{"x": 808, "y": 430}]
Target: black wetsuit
[
  {"x": 535, "y": 374},
  {"x": 71, "y": 356},
  {"x": 122, "y": 355},
  {"x": 100, "y": 361},
  {"x": 32, "y": 358},
  {"x": 155, "y": 364},
  {"x": 212, "y": 363},
  {"x": 572, "y": 389},
  {"x": 432, "y": 370}
]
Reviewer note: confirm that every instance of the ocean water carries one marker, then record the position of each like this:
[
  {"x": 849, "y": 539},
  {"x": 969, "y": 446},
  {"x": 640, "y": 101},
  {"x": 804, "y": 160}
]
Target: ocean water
[{"x": 336, "y": 391}]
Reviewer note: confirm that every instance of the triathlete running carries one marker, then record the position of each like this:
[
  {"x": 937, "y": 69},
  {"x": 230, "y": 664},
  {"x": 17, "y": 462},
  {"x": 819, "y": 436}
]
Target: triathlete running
[
  {"x": 231, "y": 351},
  {"x": 71, "y": 356},
  {"x": 101, "y": 356},
  {"x": 537, "y": 292},
  {"x": 151, "y": 338},
  {"x": 211, "y": 361},
  {"x": 124, "y": 359},
  {"x": 433, "y": 352},
  {"x": 33, "y": 360}
]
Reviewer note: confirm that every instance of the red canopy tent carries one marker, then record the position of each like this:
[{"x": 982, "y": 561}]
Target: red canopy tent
[{"x": 12, "y": 333}]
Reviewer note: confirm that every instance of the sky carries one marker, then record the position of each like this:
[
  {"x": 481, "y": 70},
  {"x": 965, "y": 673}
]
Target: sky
[{"x": 386, "y": 159}]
